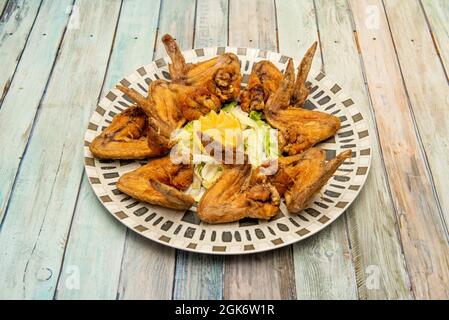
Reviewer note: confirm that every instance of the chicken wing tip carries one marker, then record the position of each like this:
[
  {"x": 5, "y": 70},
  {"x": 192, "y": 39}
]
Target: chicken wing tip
[{"x": 166, "y": 37}]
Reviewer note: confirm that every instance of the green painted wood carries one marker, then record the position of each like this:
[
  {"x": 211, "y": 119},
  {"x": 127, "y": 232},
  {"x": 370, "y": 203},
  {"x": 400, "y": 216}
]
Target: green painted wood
[
  {"x": 15, "y": 26},
  {"x": 266, "y": 275},
  {"x": 142, "y": 256},
  {"x": 437, "y": 12},
  {"x": 323, "y": 265},
  {"x": 376, "y": 249},
  {"x": 26, "y": 90},
  {"x": 34, "y": 232},
  {"x": 96, "y": 243},
  {"x": 421, "y": 221},
  {"x": 201, "y": 276}
]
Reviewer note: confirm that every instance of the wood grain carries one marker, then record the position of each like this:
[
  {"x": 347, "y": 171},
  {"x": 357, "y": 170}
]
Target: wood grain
[
  {"x": 16, "y": 23},
  {"x": 376, "y": 247},
  {"x": 3, "y": 4},
  {"x": 26, "y": 89},
  {"x": 420, "y": 223},
  {"x": 323, "y": 266},
  {"x": 252, "y": 23},
  {"x": 211, "y": 25},
  {"x": 437, "y": 12},
  {"x": 178, "y": 19},
  {"x": 147, "y": 269},
  {"x": 266, "y": 275},
  {"x": 33, "y": 235},
  {"x": 297, "y": 29},
  {"x": 200, "y": 276},
  {"x": 427, "y": 89},
  {"x": 96, "y": 243},
  {"x": 135, "y": 283}
]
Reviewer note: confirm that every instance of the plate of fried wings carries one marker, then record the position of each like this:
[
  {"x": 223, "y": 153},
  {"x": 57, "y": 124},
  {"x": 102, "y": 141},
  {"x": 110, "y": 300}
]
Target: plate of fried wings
[{"x": 226, "y": 150}]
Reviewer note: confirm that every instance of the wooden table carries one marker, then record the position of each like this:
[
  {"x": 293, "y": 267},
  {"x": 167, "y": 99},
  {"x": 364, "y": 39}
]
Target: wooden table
[{"x": 59, "y": 57}]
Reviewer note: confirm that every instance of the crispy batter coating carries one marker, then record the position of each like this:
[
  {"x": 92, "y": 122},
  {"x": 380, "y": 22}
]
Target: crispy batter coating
[
  {"x": 160, "y": 182},
  {"x": 265, "y": 79},
  {"x": 299, "y": 129},
  {"x": 301, "y": 176},
  {"x": 125, "y": 137},
  {"x": 220, "y": 75},
  {"x": 301, "y": 90}
]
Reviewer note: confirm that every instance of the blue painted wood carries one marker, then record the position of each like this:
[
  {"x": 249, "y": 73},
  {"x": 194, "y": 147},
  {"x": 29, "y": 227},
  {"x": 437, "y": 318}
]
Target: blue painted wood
[
  {"x": 201, "y": 276},
  {"x": 148, "y": 268},
  {"x": 15, "y": 26},
  {"x": 26, "y": 91},
  {"x": 96, "y": 243},
  {"x": 34, "y": 232}
]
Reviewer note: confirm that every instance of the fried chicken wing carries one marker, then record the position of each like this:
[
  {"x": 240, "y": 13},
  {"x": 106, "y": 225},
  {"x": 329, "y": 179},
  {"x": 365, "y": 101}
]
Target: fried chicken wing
[
  {"x": 263, "y": 81},
  {"x": 161, "y": 108},
  {"x": 301, "y": 176},
  {"x": 301, "y": 90},
  {"x": 240, "y": 192},
  {"x": 220, "y": 75},
  {"x": 125, "y": 137},
  {"x": 299, "y": 129},
  {"x": 266, "y": 78},
  {"x": 160, "y": 182}
]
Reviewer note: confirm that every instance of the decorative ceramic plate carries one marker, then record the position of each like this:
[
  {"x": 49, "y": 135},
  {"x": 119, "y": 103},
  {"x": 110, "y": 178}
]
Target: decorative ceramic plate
[{"x": 183, "y": 230}]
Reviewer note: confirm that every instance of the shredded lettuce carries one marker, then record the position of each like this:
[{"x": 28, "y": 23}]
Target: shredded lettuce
[
  {"x": 210, "y": 174},
  {"x": 255, "y": 115},
  {"x": 229, "y": 106}
]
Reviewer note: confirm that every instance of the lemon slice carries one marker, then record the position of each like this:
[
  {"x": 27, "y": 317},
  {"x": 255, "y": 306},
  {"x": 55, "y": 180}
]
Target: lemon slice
[{"x": 223, "y": 127}]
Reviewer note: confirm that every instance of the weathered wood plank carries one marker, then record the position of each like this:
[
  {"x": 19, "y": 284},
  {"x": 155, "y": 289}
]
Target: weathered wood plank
[
  {"x": 178, "y": 19},
  {"x": 198, "y": 276},
  {"x": 26, "y": 90},
  {"x": 297, "y": 29},
  {"x": 33, "y": 235},
  {"x": 437, "y": 12},
  {"x": 94, "y": 251},
  {"x": 420, "y": 224},
  {"x": 211, "y": 27},
  {"x": 323, "y": 266},
  {"x": 427, "y": 89},
  {"x": 96, "y": 243},
  {"x": 134, "y": 280},
  {"x": 267, "y": 275},
  {"x": 147, "y": 269},
  {"x": 252, "y": 23},
  {"x": 201, "y": 276},
  {"x": 376, "y": 249},
  {"x": 15, "y": 26},
  {"x": 3, "y": 4}
]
